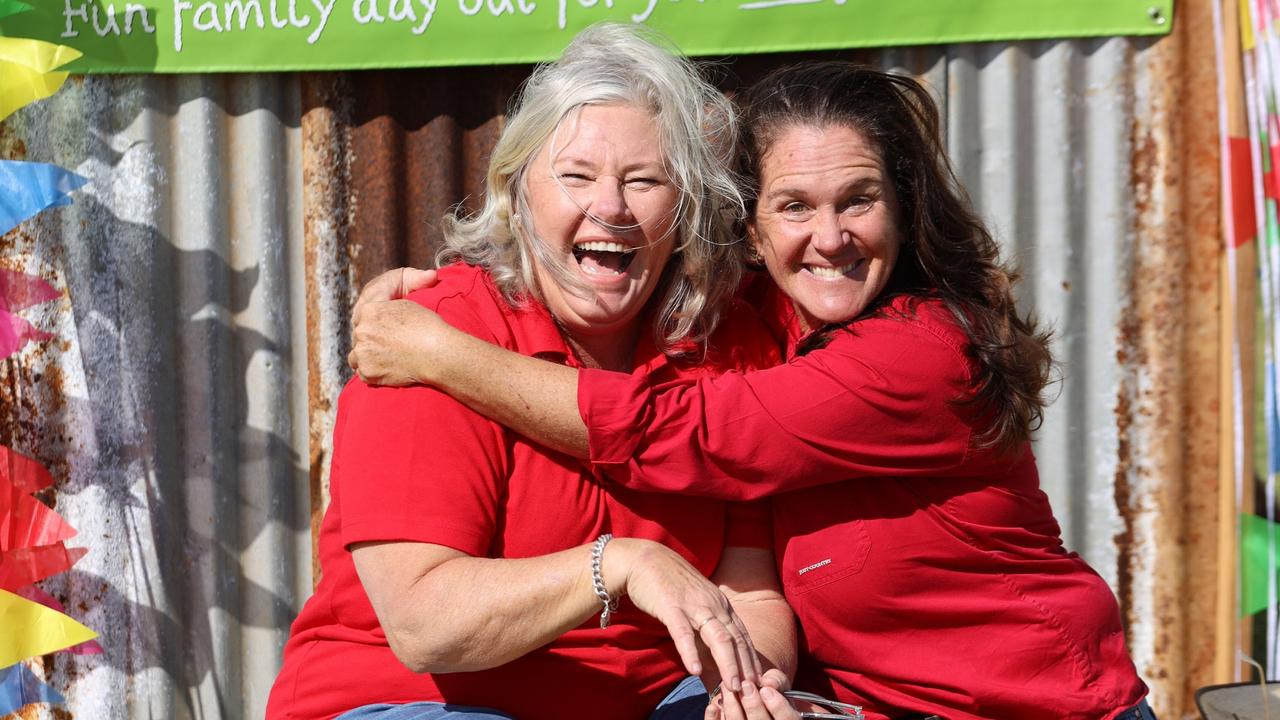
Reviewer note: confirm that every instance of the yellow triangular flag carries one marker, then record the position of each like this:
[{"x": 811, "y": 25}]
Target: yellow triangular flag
[
  {"x": 36, "y": 54},
  {"x": 27, "y": 71},
  {"x": 29, "y": 629},
  {"x": 1246, "y": 27}
]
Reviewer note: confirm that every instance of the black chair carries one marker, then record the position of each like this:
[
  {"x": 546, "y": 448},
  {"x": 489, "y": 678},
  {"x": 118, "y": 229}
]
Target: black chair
[{"x": 1239, "y": 701}]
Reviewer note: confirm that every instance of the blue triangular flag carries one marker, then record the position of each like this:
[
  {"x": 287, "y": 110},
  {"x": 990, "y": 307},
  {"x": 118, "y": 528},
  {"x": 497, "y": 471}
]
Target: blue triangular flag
[
  {"x": 19, "y": 687},
  {"x": 26, "y": 188}
]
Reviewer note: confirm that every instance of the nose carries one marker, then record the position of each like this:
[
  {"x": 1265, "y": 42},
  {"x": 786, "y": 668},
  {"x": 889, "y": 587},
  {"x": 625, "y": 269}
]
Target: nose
[
  {"x": 829, "y": 235},
  {"x": 609, "y": 202}
]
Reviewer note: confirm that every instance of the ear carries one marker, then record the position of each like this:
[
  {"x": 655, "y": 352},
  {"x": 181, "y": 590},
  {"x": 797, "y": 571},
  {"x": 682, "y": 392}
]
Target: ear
[
  {"x": 753, "y": 236},
  {"x": 755, "y": 247}
]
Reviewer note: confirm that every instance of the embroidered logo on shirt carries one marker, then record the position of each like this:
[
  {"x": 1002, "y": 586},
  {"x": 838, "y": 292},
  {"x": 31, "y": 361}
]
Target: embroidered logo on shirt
[{"x": 814, "y": 566}]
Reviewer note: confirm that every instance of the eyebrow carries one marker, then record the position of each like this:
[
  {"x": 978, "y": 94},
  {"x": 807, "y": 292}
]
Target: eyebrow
[
  {"x": 856, "y": 184},
  {"x": 581, "y": 162}
]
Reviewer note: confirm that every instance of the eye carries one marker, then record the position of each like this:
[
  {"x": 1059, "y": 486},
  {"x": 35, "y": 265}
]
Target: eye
[
  {"x": 641, "y": 183},
  {"x": 795, "y": 209},
  {"x": 574, "y": 178}
]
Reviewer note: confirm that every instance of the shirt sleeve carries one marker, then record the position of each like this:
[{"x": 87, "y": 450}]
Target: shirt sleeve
[
  {"x": 416, "y": 465},
  {"x": 878, "y": 402}
]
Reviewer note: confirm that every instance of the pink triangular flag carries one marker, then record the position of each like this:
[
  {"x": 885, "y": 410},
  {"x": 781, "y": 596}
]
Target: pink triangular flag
[
  {"x": 15, "y": 333},
  {"x": 20, "y": 290}
]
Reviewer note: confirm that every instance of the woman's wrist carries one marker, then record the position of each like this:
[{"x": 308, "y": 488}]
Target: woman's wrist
[
  {"x": 436, "y": 351},
  {"x": 616, "y": 561}
]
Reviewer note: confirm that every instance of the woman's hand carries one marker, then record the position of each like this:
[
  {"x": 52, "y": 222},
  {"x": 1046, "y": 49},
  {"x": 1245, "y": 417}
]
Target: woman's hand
[
  {"x": 389, "y": 334},
  {"x": 393, "y": 285},
  {"x": 392, "y": 341},
  {"x": 694, "y": 610},
  {"x": 765, "y": 702}
]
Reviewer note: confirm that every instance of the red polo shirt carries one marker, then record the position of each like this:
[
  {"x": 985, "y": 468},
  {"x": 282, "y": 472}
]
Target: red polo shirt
[
  {"x": 412, "y": 464},
  {"x": 928, "y": 574}
]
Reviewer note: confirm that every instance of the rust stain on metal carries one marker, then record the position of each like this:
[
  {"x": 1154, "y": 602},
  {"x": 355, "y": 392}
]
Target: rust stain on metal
[
  {"x": 1166, "y": 412},
  {"x": 381, "y": 167},
  {"x": 1200, "y": 190},
  {"x": 324, "y": 169},
  {"x": 12, "y": 147}
]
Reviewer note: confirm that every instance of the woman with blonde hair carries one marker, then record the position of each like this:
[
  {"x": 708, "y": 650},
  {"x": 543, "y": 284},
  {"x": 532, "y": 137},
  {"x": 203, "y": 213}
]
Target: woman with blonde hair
[{"x": 469, "y": 573}]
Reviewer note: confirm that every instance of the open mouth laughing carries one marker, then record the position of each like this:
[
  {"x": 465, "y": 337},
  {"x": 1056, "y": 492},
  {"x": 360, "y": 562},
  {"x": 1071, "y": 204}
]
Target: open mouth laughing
[{"x": 604, "y": 257}]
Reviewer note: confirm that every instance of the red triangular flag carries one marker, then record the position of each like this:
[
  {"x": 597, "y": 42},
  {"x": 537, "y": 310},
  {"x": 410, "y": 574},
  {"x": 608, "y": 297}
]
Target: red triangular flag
[
  {"x": 22, "y": 472},
  {"x": 28, "y": 565},
  {"x": 31, "y": 523}
]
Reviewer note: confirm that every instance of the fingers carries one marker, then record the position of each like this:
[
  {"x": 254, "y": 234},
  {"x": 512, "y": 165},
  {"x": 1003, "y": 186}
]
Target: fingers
[
  {"x": 776, "y": 679},
  {"x": 724, "y": 650},
  {"x": 414, "y": 279},
  {"x": 682, "y": 634},
  {"x": 755, "y": 703},
  {"x": 777, "y": 706},
  {"x": 747, "y": 655}
]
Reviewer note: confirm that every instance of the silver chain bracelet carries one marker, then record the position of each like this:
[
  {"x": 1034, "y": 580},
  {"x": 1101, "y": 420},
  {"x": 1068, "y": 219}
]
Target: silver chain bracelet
[{"x": 597, "y": 580}]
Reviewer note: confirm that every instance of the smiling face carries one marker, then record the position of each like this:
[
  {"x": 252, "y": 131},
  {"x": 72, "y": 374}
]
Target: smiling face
[
  {"x": 604, "y": 207},
  {"x": 826, "y": 221}
]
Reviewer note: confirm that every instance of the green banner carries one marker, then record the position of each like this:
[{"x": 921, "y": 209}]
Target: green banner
[{"x": 178, "y": 36}]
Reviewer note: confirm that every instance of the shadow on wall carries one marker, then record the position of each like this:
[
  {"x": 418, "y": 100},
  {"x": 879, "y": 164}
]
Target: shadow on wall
[{"x": 166, "y": 419}]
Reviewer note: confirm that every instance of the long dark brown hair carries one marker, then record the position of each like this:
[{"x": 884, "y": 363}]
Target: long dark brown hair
[{"x": 947, "y": 252}]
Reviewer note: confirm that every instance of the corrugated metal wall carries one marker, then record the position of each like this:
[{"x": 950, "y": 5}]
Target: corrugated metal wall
[
  {"x": 186, "y": 402},
  {"x": 171, "y": 405}
]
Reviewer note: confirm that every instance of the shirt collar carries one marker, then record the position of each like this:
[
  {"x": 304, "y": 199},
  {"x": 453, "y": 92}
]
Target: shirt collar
[{"x": 537, "y": 333}]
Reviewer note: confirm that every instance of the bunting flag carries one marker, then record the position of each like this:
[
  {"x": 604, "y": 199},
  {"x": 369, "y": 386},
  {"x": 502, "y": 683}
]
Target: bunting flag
[
  {"x": 16, "y": 333},
  {"x": 21, "y": 567},
  {"x": 32, "y": 548},
  {"x": 35, "y": 594},
  {"x": 32, "y": 535},
  {"x": 26, "y": 188},
  {"x": 19, "y": 291},
  {"x": 1256, "y": 572},
  {"x": 9, "y": 8},
  {"x": 20, "y": 687},
  {"x": 24, "y": 521},
  {"x": 31, "y": 630},
  {"x": 27, "y": 522},
  {"x": 1248, "y": 33},
  {"x": 28, "y": 71},
  {"x": 23, "y": 473}
]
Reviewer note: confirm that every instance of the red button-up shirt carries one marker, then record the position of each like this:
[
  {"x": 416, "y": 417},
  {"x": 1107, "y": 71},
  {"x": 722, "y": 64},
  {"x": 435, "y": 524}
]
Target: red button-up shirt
[
  {"x": 928, "y": 574},
  {"x": 412, "y": 464}
]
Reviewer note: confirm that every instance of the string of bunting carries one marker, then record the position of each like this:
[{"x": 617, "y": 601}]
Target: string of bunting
[{"x": 32, "y": 535}]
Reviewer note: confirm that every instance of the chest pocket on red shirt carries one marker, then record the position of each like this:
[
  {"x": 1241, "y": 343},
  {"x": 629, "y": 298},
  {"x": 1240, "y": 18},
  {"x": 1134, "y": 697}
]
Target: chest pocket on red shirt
[{"x": 816, "y": 551}]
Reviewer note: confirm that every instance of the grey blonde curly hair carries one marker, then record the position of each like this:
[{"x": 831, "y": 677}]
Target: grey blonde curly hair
[{"x": 620, "y": 64}]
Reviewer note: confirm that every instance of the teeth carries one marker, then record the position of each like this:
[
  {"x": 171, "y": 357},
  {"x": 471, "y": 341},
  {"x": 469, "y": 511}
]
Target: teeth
[
  {"x": 603, "y": 246},
  {"x": 831, "y": 273}
]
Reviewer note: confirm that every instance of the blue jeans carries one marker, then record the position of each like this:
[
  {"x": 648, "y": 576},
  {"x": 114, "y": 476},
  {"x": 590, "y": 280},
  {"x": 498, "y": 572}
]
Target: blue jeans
[
  {"x": 1141, "y": 711},
  {"x": 686, "y": 701}
]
